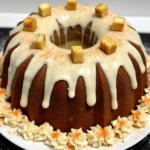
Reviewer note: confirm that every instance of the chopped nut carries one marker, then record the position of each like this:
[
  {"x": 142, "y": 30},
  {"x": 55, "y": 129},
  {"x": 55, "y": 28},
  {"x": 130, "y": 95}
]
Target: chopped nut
[
  {"x": 71, "y": 5},
  {"x": 30, "y": 24},
  {"x": 39, "y": 41},
  {"x": 44, "y": 9},
  {"x": 101, "y": 10},
  {"x": 108, "y": 45},
  {"x": 118, "y": 24},
  {"x": 77, "y": 54}
]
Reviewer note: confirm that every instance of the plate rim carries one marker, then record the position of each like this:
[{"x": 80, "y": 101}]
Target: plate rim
[{"x": 145, "y": 131}]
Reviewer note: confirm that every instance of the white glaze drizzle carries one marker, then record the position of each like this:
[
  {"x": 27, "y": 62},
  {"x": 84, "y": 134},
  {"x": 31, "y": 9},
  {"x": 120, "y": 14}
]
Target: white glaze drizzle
[
  {"x": 58, "y": 59},
  {"x": 28, "y": 77}
]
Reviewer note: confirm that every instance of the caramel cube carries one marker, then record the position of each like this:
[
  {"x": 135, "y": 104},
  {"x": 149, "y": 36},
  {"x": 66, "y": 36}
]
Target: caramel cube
[
  {"x": 101, "y": 10},
  {"x": 118, "y": 24},
  {"x": 30, "y": 24},
  {"x": 71, "y": 5},
  {"x": 44, "y": 9},
  {"x": 77, "y": 54},
  {"x": 39, "y": 41},
  {"x": 108, "y": 45}
]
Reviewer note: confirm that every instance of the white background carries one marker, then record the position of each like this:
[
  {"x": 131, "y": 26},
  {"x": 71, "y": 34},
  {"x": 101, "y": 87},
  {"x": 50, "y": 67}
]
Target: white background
[
  {"x": 122, "y": 7},
  {"x": 137, "y": 12}
]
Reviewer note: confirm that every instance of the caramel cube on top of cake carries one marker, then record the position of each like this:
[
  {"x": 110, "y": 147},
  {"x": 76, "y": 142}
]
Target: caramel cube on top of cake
[
  {"x": 101, "y": 10},
  {"x": 77, "y": 54},
  {"x": 39, "y": 41},
  {"x": 108, "y": 45},
  {"x": 118, "y": 24},
  {"x": 71, "y": 5},
  {"x": 30, "y": 24},
  {"x": 44, "y": 9}
]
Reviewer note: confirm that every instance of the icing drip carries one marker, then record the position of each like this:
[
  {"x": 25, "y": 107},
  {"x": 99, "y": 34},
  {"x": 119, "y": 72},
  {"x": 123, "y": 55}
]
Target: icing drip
[
  {"x": 58, "y": 61},
  {"x": 28, "y": 77}
]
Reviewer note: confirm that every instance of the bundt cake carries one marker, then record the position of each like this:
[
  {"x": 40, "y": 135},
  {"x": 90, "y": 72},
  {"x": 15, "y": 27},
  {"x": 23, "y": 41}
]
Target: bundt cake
[{"x": 49, "y": 87}]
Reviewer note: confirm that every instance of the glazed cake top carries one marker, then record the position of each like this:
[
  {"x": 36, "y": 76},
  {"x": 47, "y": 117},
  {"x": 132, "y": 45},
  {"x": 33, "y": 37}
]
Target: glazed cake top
[{"x": 58, "y": 60}]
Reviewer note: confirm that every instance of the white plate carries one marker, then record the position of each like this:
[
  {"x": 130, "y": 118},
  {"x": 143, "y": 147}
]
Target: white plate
[{"x": 119, "y": 144}]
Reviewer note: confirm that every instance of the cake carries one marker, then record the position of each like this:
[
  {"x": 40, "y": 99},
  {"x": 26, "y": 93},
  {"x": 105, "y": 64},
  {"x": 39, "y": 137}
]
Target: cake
[{"x": 49, "y": 87}]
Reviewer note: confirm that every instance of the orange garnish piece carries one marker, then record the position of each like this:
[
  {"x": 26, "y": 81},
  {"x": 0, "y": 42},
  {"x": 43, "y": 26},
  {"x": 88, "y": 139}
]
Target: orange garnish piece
[
  {"x": 26, "y": 121},
  {"x": 1, "y": 119},
  {"x": 2, "y": 91},
  {"x": 43, "y": 126},
  {"x": 14, "y": 113},
  {"x": 137, "y": 114},
  {"x": 76, "y": 135},
  {"x": 102, "y": 133},
  {"x": 147, "y": 101},
  {"x": 121, "y": 123},
  {"x": 55, "y": 135},
  {"x": 5, "y": 107}
]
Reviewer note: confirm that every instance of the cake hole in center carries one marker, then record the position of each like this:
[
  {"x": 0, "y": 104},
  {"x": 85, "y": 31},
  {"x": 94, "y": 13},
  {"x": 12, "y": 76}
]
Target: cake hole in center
[{"x": 74, "y": 37}]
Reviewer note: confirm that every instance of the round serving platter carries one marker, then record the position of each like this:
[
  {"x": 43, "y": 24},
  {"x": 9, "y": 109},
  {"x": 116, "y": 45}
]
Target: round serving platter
[{"x": 119, "y": 144}]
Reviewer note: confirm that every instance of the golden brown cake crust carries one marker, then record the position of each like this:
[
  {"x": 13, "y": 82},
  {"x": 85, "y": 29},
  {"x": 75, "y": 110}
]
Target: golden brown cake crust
[{"x": 65, "y": 113}]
